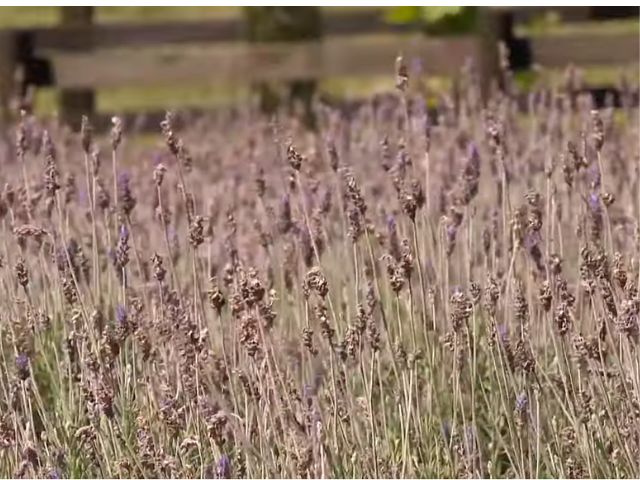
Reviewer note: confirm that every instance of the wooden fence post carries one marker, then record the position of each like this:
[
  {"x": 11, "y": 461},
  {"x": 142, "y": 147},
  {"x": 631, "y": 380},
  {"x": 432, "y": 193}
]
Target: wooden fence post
[
  {"x": 75, "y": 102},
  {"x": 285, "y": 24},
  {"x": 488, "y": 54}
]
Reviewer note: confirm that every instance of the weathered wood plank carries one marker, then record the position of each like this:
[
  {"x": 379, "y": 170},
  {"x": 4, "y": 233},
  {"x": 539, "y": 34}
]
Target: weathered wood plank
[
  {"x": 339, "y": 56},
  {"x": 77, "y": 101},
  {"x": 353, "y": 56},
  {"x": 488, "y": 26},
  {"x": 583, "y": 50}
]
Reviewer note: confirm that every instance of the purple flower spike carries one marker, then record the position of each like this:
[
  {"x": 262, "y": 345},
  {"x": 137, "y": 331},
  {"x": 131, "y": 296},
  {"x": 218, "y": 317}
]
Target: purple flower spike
[
  {"x": 124, "y": 233},
  {"x": 121, "y": 314},
  {"x": 391, "y": 224},
  {"x": 123, "y": 179},
  {"x": 594, "y": 203},
  {"x": 308, "y": 391},
  {"x": 22, "y": 366},
  {"x": 172, "y": 233},
  {"x": 223, "y": 468},
  {"x": 452, "y": 232},
  {"x": 474, "y": 156},
  {"x": 503, "y": 333},
  {"x": 22, "y": 361},
  {"x": 522, "y": 402},
  {"x": 83, "y": 197},
  {"x": 54, "y": 473},
  {"x": 532, "y": 240}
]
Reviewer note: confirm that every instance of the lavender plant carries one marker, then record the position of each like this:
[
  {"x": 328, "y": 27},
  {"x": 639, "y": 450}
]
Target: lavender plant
[{"x": 403, "y": 292}]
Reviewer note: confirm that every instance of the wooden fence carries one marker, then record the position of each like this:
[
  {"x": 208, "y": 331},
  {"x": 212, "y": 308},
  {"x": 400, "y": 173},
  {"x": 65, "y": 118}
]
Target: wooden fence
[{"x": 79, "y": 56}]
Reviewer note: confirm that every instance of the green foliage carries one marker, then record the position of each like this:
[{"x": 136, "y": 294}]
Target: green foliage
[{"x": 441, "y": 20}]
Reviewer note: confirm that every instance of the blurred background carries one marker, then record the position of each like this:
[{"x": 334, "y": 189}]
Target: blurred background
[{"x": 140, "y": 61}]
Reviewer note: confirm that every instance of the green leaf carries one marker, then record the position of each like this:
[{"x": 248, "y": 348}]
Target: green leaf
[
  {"x": 403, "y": 14},
  {"x": 434, "y": 14}
]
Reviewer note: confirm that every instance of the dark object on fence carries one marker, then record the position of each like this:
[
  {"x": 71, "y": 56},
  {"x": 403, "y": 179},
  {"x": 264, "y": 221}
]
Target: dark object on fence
[
  {"x": 36, "y": 70},
  {"x": 285, "y": 24},
  {"x": 519, "y": 48}
]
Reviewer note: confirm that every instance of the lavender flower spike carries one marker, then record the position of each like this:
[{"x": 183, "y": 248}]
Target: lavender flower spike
[{"x": 223, "y": 468}]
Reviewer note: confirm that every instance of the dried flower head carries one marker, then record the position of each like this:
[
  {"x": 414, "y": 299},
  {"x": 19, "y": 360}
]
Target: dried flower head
[
  {"x": 402, "y": 74},
  {"x": 158, "y": 174},
  {"x": 294, "y": 158},
  {"x": 597, "y": 130},
  {"x": 116, "y": 132},
  {"x": 86, "y": 135}
]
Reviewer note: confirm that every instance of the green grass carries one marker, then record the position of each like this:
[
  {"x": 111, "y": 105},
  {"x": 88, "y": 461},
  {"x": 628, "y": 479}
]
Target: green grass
[
  {"x": 150, "y": 98},
  {"x": 131, "y": 99}
]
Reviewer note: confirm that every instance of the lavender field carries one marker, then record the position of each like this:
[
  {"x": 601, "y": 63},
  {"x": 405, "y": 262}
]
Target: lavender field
[{"x": 402, "y": 292}]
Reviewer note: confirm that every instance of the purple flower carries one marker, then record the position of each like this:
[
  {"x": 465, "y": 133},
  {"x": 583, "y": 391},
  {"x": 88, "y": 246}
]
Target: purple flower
[
  {"x": 522, "y": 402},
  {"x": 54, "y": 473},
  {"x": 503, "y": 334},
  {"x": 123, "y": 180},
  {"x": 532, "y": 244},
  {"x": 72, "y": 247},
  {"x": 61, "y": 259},
  {"x": 22, "y": 366},
  {"x": 223, "y": 468},
  {"x": 452, "y": 232},
  {"x": 121, "y": 314},
  {"x": 308, "y": 391},
  {"x": 284, "y": 215},
  {"x": 402, "y": 160},
  {"x": 594, "y": 203},
  {"x": 474, "y": 156},
  {"x": 532, "y": 239},
  {"x": 172, "y": 234},
  {"x": 124, "y": 234},
  {"x": 391, "y": 224},
  {"x": 83, "y": 198}
]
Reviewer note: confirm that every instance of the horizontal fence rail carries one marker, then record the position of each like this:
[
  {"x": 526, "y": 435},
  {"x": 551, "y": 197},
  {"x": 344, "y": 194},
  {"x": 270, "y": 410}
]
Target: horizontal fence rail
[
  {"x": 584, "y": 50},
  {"x": 80, "y": 56},
  {"x": 328, "y": 58},
  {"x": 220, "y": 30}
]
